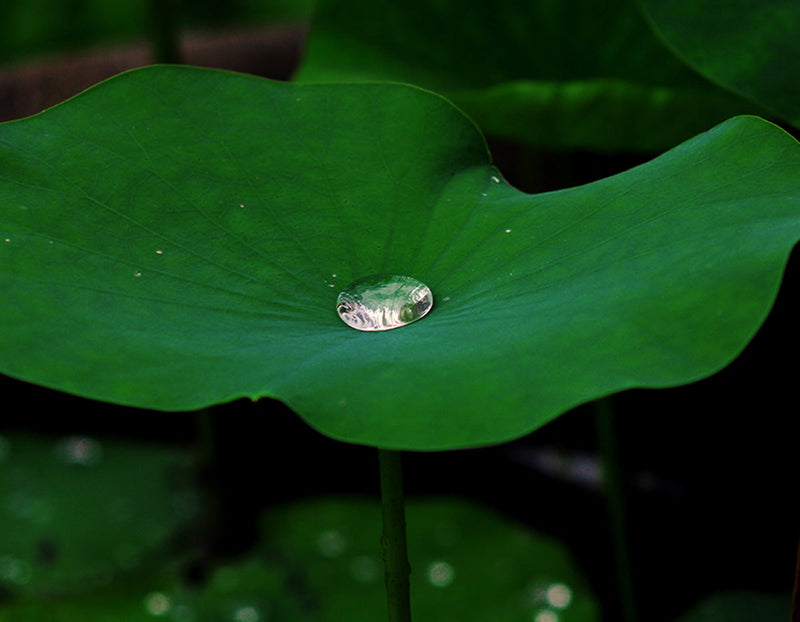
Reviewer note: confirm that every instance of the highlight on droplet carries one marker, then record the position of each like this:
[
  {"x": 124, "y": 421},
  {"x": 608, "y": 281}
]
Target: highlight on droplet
[{"x": 383, "y": 302}]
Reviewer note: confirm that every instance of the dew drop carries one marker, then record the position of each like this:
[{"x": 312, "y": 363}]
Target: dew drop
[
  {"x": 331, "y": 543},
  {"x": 157, "y": 604},
  {"x": 79, "y": 450},
  {"x": 440, "y": 574},
  {"x": 383, "y": 302},
  {"x": 246, "y": 614},
  {"x": 13, "y": 570},
  {"x": 559, "y": 595}
]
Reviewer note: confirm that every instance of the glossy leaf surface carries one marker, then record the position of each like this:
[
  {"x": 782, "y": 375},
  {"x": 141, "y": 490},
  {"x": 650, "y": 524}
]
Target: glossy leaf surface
[
  {"x": 176, "y": 238},
  {"x": 750, "y": 46},
  {"x": 572, "y": 74}
]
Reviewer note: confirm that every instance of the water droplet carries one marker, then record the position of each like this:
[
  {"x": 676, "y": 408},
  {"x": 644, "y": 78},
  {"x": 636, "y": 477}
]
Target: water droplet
[
  {"x": 13, "y": 570},
  {"x": 246, "y": 614},
  {"x": 383, "y": 302},
  {"x": 79, "y": 450},
  {"x": 157, "y": 604},
  {"x": 331, "y": 543},
  {"x": 545, "y": 615},
  {"x": 440, "y": 574},
  {"x": 559, "y": 595}
]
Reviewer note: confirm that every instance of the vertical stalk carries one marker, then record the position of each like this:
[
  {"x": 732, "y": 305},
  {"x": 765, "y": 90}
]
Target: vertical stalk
[
  {"x": 164, "y": 31},
  {"x": 615, "y": 499},
  {"x": 393, "y": 540},
  {"x": 796, "y": 590}
]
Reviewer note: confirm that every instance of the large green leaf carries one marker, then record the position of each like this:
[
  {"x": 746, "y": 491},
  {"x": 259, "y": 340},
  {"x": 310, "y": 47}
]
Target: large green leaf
[
  {"x": 248, "y": 591},
  {"x": 749, "y": 46},
  {"x": 177, "y": 237},
  {"x": 566, "y": 74}
]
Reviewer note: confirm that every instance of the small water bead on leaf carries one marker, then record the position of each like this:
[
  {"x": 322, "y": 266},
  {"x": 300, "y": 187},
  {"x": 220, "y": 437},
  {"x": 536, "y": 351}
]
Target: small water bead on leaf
[{"x": 383, "y": 302}]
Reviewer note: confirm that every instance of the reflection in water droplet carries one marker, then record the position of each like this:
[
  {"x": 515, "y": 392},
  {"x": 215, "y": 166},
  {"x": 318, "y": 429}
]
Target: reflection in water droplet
[
  {"x": 383, "y": 302},
  {"x": 440, "y": 574},
  {"x": 157, "y": 604},
  {"x": 79, "y": 450}
]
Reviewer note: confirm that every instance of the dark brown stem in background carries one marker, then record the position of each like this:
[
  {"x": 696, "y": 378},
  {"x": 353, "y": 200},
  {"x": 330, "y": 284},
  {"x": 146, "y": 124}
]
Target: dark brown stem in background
[
  {"x": 614, "y": 489},
  {"x": 31, "y": 86},
  {"x": 165, "y": 31},
  {"x": 796, "y": 590}
]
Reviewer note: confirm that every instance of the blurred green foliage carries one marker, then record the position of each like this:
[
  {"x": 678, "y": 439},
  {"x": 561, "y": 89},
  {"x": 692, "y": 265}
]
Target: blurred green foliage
[{"x": 30, "y": 28}]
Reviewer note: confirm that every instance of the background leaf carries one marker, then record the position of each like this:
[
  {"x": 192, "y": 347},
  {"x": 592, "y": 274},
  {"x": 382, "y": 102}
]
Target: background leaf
[
  {"x": 319, "y": 558},
  {"x": 741, "y": 607},
  {"x": 177, "y": 237},
  {"x": 551, "y": 74},
  {"x": 77, "y": 512},
  {"x": 466, "y": 562},
  {"x": 749, "y": 47}
]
